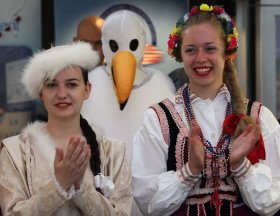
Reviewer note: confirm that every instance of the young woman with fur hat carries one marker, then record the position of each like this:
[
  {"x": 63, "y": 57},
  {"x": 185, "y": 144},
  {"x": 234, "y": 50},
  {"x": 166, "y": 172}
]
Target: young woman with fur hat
[{"x": 61, "y": 167}]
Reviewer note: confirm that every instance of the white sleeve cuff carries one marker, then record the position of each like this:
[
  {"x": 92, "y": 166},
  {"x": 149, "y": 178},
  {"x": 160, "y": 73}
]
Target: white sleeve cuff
[
  {"x": 186, "y": 176},
  {"x": 242, "y": 171},
  {"x": 65, "y": 194}
]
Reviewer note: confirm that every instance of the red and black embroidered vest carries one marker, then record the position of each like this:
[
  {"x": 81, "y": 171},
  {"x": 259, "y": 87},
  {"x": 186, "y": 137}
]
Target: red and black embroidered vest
[{"x": 175, "y": 134}]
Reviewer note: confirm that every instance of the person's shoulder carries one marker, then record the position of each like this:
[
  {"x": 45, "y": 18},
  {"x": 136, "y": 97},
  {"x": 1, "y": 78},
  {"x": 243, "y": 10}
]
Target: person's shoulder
[
  {"x": 151, "y": 113},
  {"x": 265, "y": 111},
  {"x": 31, "y": 130},
  {"x": 12, "y": 146},
  {"x": 167, "y": 100},
  {"x": 9, "y": 141}
]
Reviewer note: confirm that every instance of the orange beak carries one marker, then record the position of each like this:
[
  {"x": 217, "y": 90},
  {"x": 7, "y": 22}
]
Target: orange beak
[{"x": 123, "y": 72}]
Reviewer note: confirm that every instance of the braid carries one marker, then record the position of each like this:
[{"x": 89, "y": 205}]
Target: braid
[
  {"x": 231, "y": 81},
  {"x": 91, "y": 139},
  {"x": 237, "y": 97}
]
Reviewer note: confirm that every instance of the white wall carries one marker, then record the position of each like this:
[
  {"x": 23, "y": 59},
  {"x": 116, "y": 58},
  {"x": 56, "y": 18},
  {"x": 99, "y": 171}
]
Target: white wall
[
  {"x": 267, "y": 91},
  {"x": 241, "y": 60}
]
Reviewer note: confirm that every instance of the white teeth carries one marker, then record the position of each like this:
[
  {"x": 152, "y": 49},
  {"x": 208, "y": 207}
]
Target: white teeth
[
  {"x": 62, "y": 105},
  {"x": 202, "y": 70}
]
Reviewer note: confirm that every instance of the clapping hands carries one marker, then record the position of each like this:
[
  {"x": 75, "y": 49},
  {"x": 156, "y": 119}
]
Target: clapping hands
[
  {"x": 241, "y": 147},
  {"x": 196, "y": 150},
  {"x": 244, "y": 144},
  {"x": 70, "y": 167}
]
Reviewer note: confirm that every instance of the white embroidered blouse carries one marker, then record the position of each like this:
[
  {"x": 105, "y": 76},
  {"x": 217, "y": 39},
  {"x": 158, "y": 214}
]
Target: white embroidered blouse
[{"x": 158, "y": 192}]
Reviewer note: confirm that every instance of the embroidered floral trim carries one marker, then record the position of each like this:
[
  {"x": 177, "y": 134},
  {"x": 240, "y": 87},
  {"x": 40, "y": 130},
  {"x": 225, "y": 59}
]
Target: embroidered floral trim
[
  {"x": 179, "y": 95},
  {"x": 256, "y": 108},
  {"x": 203, "y": 189},
  {"x": 206, "y": 198},
  {"x": 163, "y": 122},
  {"x": 181, "y": 137},
  {"x": 180, "y": 148},
  {"x": 216, "y": 162},
  {"x": 227, "y": 22},
  {"x": 179, "y": 98}
]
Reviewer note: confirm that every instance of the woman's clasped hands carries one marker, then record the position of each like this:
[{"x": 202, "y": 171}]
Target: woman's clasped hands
[{"x": 70, "y": 166}]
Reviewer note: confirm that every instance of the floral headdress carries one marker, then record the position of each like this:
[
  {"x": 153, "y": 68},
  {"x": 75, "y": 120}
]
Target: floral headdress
[{"x": 227, "y": 23}]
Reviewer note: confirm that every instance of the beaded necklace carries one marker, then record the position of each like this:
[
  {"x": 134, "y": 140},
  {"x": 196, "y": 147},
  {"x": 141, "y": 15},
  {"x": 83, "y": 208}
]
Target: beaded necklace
[
  {"x": 225, "y": 138},
  {"x": 223, "y": 145}
]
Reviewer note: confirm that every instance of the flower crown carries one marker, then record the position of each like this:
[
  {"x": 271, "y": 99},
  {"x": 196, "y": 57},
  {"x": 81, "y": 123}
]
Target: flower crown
[{"x": 227, "y": 22}]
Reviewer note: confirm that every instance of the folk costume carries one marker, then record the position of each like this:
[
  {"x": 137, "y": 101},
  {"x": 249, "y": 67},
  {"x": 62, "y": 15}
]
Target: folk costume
[
  {"x": 162, "y": 181},
  {"x": 28, "y": 184},
  {"x": 27, "y": 171}
]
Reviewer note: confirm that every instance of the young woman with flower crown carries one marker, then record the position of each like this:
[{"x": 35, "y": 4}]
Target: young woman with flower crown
[
  {"x": 208, "y": 151},
  {"x": 61, "y": 167}
]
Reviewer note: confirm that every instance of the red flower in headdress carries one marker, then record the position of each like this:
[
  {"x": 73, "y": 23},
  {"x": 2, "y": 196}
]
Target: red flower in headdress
[
  {"x": 194, "y": 10},
  {"x": 232, "y": 43},
  {"x": 218, "y": 10},
  {"x": 232, "y": 56},
  {"x": 172, "y": 41}
]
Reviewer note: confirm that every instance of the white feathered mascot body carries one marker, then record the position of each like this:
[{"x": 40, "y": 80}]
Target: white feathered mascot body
[{"x": 122, "y": 90}]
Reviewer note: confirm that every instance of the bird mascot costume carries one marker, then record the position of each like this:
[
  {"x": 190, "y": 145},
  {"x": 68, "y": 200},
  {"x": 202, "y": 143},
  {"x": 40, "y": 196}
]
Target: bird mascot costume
[{"x": 123, "y": 89}]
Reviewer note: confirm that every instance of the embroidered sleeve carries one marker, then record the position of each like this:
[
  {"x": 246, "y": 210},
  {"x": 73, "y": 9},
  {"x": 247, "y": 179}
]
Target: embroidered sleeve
[
  {"x": 186, "y": 176},
  {"x": 242, "y": 171}
]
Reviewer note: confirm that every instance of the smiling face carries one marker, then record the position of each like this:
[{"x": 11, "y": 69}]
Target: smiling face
[
  {"x": 64, "y": 95},
  {"x": 203, "y": 55}
]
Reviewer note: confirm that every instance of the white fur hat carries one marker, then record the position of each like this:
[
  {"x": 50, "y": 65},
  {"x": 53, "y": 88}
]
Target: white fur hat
[{"x": 47, "y": 63}]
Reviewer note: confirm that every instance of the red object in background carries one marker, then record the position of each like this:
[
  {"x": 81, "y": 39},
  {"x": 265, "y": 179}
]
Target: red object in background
[
  {"x": 152, "y": 55},
  {"x": 8, "y": 28},
  {"x": 18, "y": 18}
]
